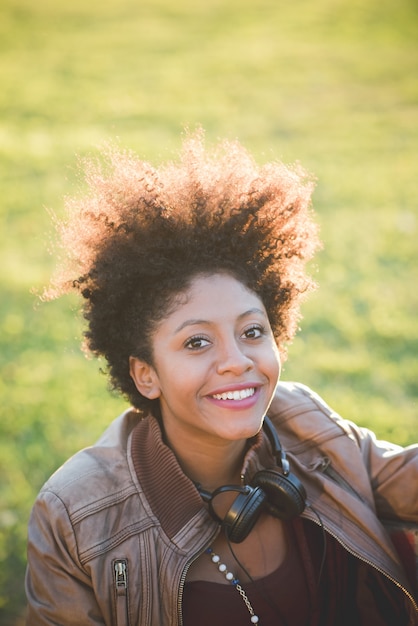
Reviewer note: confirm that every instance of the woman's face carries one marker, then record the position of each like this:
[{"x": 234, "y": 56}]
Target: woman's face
[{"x": 215, "y": 363}]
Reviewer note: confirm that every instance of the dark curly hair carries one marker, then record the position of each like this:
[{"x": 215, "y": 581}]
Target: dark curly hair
[{"x": 139, "y": 237}]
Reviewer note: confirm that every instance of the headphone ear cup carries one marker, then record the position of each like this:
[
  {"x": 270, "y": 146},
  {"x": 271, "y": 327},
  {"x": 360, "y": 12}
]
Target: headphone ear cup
[
  {"x": 243, "y": 514},
  {"x": 286, "y": 495}
]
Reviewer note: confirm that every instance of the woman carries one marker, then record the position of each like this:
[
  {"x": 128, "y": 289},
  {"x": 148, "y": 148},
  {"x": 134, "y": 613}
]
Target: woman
[{"x": 193, "y": 507}]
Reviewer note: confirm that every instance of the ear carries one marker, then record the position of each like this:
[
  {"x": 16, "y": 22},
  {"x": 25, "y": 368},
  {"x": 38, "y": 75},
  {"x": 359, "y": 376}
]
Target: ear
[{"x": 145, "y": 378}]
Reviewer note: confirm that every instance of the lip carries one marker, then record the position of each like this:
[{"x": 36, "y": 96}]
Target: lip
[{"x": 244, "y": 403}]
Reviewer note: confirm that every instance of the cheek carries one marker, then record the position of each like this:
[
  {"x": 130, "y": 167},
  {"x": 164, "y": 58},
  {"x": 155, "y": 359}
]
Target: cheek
[{"x": 177, "y": 380}]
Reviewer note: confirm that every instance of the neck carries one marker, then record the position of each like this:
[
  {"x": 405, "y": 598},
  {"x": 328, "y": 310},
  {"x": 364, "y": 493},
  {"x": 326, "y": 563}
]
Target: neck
[{"x": 210, "y": 464}]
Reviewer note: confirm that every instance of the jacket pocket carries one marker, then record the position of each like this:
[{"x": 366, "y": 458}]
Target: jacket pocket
[
  {"x": 329, "y": 471},
  {"x": 120, "y": 572}
]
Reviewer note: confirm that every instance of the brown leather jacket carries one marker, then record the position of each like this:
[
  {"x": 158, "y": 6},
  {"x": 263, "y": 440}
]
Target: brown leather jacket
[{"x": 114, "y": 530}]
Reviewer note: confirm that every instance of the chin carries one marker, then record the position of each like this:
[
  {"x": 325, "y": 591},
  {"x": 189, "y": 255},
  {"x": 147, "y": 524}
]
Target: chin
[{"x": 244, "y": 430}]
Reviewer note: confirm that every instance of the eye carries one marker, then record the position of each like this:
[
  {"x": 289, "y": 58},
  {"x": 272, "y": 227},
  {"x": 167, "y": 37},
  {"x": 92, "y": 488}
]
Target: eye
[
  {"x": 254, "y": 332},
  {"x": 196, "y": 343}
]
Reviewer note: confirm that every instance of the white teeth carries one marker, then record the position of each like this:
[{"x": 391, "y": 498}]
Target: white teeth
[{"x": 235, "y": 395}]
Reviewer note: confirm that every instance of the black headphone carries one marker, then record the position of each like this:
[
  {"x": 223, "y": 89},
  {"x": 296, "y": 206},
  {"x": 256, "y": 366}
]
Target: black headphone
[{"x": 278, "y": 492}]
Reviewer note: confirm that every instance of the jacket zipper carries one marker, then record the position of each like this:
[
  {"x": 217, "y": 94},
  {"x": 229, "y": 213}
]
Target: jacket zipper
[
  {"x": 183, "y": 579},
  {"x": 334, "y": 475},
  {"x": 313, "y": 518},
  {"x": 339, "y": 479},
  {"x": 181, "y": 587},
  {"x": 121, "y": 589}
]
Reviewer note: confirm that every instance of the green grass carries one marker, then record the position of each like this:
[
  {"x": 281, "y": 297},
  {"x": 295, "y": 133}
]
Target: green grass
[{"x": 331, "y": 83}]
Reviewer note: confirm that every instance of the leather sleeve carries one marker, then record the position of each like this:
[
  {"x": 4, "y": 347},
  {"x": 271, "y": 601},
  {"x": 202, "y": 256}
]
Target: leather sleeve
[
  {"x": 58, "y": 589},
  {"x": 393, "y": 472}
]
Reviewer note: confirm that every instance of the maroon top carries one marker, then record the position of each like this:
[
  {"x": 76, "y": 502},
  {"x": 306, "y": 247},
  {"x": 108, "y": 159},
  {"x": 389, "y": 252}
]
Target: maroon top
[{"x": 279, "y": 599}]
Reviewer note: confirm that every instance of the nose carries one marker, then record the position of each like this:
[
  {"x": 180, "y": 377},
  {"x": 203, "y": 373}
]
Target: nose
[{"x": 232, "y": 358}]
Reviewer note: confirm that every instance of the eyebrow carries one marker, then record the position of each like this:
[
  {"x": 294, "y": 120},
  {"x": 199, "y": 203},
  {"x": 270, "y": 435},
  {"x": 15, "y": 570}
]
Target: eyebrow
[{"x": 197, "y": 322}]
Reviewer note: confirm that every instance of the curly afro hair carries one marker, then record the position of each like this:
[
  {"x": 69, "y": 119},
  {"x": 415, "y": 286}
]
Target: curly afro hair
[{"x": 139, "y": 236}]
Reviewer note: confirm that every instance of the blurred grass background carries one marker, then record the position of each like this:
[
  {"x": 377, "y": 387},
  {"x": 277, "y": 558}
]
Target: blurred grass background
[{"x": 331, "y": 83}]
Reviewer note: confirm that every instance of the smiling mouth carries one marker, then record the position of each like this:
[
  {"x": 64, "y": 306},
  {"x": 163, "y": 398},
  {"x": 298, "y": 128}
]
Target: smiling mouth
[{"x": 235, "y": 395}]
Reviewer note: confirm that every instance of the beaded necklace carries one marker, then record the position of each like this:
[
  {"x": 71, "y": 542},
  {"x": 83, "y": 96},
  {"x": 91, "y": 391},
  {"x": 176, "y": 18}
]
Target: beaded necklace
[{"x": 216, "y": 560}]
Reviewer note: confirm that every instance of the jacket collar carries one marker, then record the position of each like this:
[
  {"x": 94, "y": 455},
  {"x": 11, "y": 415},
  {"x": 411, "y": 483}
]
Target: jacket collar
[{"x": 172, "y": 496}]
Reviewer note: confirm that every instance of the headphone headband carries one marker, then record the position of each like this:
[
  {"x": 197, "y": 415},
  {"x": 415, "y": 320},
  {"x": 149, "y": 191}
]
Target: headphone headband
[{"x": 278, "y": 451}]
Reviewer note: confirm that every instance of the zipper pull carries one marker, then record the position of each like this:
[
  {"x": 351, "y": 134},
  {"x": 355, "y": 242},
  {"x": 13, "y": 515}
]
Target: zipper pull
[
  {"x": 121, "y": 587},
  {"x": 121, "y": 577}
]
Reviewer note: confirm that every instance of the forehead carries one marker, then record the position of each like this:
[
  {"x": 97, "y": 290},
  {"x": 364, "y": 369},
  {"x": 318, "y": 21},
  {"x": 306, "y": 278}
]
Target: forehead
[{"x": 212, "y": 298}]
